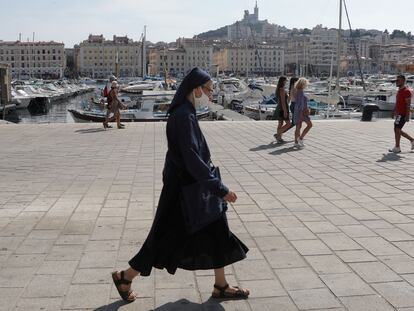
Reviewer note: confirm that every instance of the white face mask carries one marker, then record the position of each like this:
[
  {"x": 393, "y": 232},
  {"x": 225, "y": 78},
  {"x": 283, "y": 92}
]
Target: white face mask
[{"x": 201, "y": 101}]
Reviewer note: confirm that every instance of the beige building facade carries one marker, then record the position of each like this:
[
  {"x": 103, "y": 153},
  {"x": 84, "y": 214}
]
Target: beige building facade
[
  {"x": 178, "y": 61},
  {"x": 100, "y": 58},
  {"x": 34, "y": 59},
  {"x": 265, "y": 60}
]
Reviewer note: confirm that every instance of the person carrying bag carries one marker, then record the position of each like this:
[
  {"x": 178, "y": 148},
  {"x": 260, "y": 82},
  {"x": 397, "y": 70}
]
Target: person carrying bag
[{"x": 190, "y": 229}]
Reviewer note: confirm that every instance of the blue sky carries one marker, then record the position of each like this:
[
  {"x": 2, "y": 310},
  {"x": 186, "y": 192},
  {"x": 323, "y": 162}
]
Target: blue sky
[{"x": 70, "y": 21}]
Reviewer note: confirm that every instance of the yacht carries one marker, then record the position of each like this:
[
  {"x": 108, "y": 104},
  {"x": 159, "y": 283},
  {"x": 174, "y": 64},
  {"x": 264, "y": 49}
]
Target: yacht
[{"x": 234, "y": 92}]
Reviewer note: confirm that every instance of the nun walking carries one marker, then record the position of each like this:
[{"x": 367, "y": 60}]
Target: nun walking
[{"x": 184, "y": 235}]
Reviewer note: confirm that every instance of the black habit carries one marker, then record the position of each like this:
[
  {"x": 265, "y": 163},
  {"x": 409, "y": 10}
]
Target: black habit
[{"x": 168, "y": 245}]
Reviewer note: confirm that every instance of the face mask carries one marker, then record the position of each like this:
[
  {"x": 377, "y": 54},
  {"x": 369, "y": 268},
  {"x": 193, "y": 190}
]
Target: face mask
[{"x": 201, "y": 101}]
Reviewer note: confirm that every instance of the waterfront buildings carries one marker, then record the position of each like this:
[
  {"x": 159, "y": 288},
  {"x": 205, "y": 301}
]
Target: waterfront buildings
[
  {"x": 180, "y": 59},
  {"x": 323, "y": 48},
  {"x": 34, "y": 59},
  {"x": 263, "y": 59},
  {"x": 393, "y": 55},
  {"x": 97, "y": 57},
  {"x": 296, "y": 50}
]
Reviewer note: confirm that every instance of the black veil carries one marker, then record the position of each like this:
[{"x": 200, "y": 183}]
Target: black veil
[{"x": 194, "y": 79}]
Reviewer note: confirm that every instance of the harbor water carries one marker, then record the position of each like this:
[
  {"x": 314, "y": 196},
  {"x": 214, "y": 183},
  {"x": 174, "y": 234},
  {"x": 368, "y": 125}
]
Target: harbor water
[{"x": 57, "y": 113}]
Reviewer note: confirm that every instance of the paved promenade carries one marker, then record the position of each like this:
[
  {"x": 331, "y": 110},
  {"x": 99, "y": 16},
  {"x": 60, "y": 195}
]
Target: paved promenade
[{"x": 329, "y": 227}]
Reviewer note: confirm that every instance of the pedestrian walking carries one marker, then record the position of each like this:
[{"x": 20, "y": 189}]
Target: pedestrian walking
[
  {"x": 291, "y": 101},
  {"x": 171, "y": 242},
  {"x": 114, "y": 106},
  {"x": 282, "y": 109},
  {"x": 105, "y": 94},
  {"x": 301, "y": 112},
  {"x": 402, "y": 113},
  {"x": 292, "y": 98}
]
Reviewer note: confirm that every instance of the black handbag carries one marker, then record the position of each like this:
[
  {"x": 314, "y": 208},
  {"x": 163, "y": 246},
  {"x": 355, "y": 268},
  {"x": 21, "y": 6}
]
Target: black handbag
[{"x": 200, "y": 206}]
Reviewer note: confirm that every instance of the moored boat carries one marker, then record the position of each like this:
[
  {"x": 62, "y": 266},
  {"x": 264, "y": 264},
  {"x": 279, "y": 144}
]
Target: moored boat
[{"x": 150, "y": 110}]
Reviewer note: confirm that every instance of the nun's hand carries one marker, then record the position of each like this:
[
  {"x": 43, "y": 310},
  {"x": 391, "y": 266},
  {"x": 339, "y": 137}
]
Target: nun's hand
[{"x": 230, "y": 197}]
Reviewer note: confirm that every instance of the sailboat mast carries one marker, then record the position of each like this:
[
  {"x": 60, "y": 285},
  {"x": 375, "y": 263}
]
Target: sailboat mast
[
  {"x": 144, "y": 53},
  {"x": 338, "y": 56}
]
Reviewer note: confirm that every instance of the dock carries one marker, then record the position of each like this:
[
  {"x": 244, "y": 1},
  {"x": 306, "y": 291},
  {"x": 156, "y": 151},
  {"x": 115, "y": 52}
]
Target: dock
[
  {"x": 8, "y": 107},
  {"x": 218, "y": 112},
  {"x": 329, "y": 227}
]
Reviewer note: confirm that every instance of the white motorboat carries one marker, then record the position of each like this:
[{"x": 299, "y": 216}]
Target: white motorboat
[
  {"x": 229, "y": 92},
  {"x": 20, "y": 98},
  {"x": 140, "y": 86},
  {"x": 263, "y": 110},
  {"x": 344, "y": 113},
  {"x": 151, "y": 109}
]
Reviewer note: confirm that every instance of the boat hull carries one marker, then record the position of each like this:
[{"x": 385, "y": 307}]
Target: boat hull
[{"x": 87, "y": 117}]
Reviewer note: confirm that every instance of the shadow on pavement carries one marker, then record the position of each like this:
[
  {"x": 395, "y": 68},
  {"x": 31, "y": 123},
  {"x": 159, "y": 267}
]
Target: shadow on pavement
[
  {"x": 185, "y": 305},
  {"x": 387, "y": 157},
  {"x": 273, "y": 144},
  {"x": 88, "y": 131},
  {"x": 285, "y": 150},
  {"x": 179, "y": 305},
  {"x": 113, "y": 306}
]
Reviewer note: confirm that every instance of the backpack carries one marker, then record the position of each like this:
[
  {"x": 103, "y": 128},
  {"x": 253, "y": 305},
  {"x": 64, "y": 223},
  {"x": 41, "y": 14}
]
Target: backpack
[{"x": 105, "y": 92}]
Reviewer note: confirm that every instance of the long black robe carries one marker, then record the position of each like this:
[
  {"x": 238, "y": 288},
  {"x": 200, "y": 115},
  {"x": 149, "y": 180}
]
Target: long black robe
[{"x": 168, "y": 245}]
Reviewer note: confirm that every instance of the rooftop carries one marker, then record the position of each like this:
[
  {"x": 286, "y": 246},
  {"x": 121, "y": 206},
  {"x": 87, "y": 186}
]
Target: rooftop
[{"x": 329, "y": 227}]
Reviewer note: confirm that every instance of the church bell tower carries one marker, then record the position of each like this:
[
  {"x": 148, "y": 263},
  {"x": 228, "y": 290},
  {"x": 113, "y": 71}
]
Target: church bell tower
[{"x": 256, "y": 12}]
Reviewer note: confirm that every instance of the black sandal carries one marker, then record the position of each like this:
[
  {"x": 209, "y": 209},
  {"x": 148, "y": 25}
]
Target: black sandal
[
  {"x": 238, "y": 294},
  {"x": 125, "y": 295}
]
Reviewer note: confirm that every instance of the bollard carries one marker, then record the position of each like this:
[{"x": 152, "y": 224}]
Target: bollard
[{"x": 367, "y": 112}]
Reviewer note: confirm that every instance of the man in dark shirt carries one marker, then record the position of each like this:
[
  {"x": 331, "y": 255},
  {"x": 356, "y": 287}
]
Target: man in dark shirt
[{"x": 402, "y": 113}]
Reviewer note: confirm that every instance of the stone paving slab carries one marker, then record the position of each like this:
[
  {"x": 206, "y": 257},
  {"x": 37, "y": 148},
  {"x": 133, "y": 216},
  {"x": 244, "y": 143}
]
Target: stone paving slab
[{"x": 330, "y": 227}]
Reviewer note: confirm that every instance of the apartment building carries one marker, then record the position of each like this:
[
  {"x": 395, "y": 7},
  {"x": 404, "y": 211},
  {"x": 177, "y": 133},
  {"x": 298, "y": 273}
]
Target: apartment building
[
  {"x": 179, "y": 60},
  {"x": 34, "y": 59},
  {"x": 297, "y": 54},
  {"x": 262, "y": 60},
  {"x": 97, "y": 57},
  {"x": 393, "y": 54},
  {"x": 167, "y": 60}
]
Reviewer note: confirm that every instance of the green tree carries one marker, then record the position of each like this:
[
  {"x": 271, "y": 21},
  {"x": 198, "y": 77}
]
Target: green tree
[
  {"x": 306, "y": 31},
  {"x": 398, "y": 34}
]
